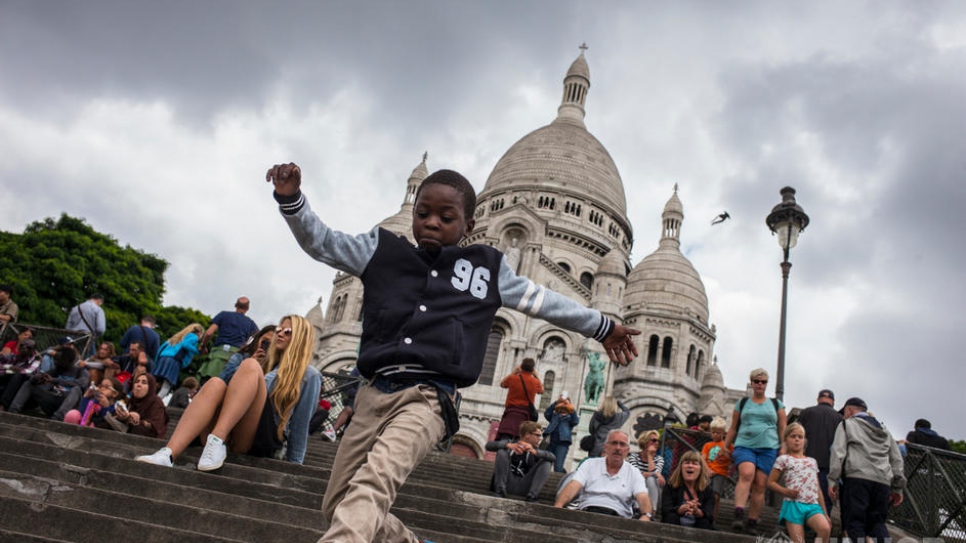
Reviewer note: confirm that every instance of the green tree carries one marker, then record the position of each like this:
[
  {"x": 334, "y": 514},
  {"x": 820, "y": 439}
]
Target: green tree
[
  {"x": 958, "y": 446},
  {"x": 57, "y": 264}
]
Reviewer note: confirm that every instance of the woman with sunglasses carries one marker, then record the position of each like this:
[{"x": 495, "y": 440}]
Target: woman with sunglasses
[
  {"x": 756, "y": 424},
  {"x": 650, "y": 464},
  {"x": 255, "y": 412}
]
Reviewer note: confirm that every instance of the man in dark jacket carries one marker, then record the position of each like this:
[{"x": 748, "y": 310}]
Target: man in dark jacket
[
  {"x": 520, "y": 467},
  {"x": 820, "y": 421},
  {"x": 923, "y": 434}
]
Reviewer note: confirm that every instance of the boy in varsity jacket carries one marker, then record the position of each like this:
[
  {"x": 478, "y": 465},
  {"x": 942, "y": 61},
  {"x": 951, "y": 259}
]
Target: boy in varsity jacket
[{"x": 427, "y": 311}]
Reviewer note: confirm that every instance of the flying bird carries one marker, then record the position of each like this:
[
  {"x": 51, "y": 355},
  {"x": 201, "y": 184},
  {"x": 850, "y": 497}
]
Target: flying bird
[{"x": 721, "y": 218}]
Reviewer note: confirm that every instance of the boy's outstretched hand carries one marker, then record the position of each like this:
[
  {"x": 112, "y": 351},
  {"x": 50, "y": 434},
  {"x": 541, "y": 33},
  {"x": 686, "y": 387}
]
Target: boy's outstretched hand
[
  {"x": 620, "y": 346},
  {"x": 287, "y": 178}
]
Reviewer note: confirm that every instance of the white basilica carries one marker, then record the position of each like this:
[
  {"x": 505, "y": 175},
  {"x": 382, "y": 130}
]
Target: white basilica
[{"x": 555, "y": 205}]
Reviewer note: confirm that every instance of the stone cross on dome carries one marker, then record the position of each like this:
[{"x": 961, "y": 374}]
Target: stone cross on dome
[{"x": 583, "y": 47}]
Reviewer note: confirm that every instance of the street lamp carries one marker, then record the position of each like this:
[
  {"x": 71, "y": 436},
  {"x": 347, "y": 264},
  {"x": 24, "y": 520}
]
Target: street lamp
[{"x": 787, "y": 219}]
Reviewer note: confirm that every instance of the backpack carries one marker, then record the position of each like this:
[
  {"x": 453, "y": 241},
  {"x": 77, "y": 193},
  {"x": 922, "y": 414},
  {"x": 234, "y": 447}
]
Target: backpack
[{"x": 741, "y": 407}]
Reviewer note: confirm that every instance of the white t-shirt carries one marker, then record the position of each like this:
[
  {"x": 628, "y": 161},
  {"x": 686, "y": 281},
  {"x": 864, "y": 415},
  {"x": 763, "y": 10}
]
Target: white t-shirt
[{"x": 613, "y": 492}]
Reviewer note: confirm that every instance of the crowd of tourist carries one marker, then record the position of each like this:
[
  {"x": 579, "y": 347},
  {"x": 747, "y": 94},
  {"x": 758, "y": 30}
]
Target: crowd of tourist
[{"x": 259, "y": 401}]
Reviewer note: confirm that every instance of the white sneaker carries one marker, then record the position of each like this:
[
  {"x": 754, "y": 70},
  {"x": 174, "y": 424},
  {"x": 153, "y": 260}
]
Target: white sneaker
[
  {"x": 160, "y": 458},
  {"x": 214, "y": 454},
  {"x": 329, "y": 434}
]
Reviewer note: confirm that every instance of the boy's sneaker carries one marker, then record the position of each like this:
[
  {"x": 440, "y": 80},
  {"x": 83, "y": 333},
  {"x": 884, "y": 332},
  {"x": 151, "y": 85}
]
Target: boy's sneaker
[
  {"x": 160, "y": 458},
  {"x": 214, "y": 454}
]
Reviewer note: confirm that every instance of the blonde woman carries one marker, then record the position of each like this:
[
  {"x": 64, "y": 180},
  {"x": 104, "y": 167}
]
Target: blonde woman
[
  {"x": 611, "y": 415},
  {"x": 254, "y": 413},
  {"x": 688, "y": 499},
  {"x": 174, "y": 354},
  {"x": 650, "y": 463},
  {"x": 756, "y": 426}
]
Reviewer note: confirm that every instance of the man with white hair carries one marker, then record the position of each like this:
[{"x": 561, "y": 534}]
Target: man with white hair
[{"x": 609, "y": 484}]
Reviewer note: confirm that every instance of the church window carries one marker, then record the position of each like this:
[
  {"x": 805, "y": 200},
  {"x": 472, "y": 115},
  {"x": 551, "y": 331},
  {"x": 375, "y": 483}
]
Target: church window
[
  {"x": 493, "y": 343},
  {"x": 690, "y": 364},
  {"x": 666, "y": 352},
  {"x": 564, "y": 266},
  {"x": 553, "y": 350},
  {"x": 547, "y": 397},
  {"x": 338, "y": 308},
  {"x": 587, "y": 280},
  {"x": 700, "y": 365},
  {"x": 652, "y": 350}
]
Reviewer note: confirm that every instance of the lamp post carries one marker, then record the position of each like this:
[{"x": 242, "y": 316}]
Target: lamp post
[{"x": 787, "y": 219}]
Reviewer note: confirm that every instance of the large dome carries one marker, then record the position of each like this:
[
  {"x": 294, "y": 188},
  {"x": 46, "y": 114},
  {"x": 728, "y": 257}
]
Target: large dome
[{"x": 565, "y": 157}]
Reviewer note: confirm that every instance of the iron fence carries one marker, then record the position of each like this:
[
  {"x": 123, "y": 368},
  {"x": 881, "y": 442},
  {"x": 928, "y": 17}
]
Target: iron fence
[
  {"x": 934, "y": 502},
  {"x": 44, "y": 336},
  {"x": 677, "y": 441}
]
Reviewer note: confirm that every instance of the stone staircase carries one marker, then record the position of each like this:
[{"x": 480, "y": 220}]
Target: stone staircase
[{"x": 61, "y": 482}]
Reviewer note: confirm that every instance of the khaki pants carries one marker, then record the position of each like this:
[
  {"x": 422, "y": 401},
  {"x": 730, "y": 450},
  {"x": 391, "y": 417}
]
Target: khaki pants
[{"x": 389, "y": 436}]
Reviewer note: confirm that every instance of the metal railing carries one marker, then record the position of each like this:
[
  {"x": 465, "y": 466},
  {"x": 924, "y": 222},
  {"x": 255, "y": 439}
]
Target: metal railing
[
  {"x": 934, "y": 501},
  {"x": 677, "y": 441},
  {"x": 44, "y": 336}
]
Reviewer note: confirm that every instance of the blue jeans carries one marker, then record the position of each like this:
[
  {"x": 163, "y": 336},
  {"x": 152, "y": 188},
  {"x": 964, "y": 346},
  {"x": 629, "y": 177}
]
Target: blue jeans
[{"x": 559, "y": 451}]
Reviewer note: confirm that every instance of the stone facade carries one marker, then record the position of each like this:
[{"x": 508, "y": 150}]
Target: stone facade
[{"x": 555, "y": 205}]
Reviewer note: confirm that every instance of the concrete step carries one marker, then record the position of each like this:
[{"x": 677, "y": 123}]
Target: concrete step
[{"x": 72, "y": 472}]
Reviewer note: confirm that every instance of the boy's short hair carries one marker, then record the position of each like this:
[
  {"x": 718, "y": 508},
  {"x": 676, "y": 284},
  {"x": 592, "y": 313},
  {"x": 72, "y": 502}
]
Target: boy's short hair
[
  {"x": 528, "y": 427},
  {"x": 459, "y": 183},
  {"x": 150, "y": 319},
  {"x": 719, "y": 423},
  {"x": 7, "y": 288}
]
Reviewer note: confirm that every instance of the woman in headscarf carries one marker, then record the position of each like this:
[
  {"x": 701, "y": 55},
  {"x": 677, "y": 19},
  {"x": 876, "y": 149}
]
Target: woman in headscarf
[
  {"x": 144, "y": 414},
  {"x": 254, "y": 413}
]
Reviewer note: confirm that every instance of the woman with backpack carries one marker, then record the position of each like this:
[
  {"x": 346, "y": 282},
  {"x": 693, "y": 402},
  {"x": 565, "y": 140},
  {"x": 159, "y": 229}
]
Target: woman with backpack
[{"x": 756, "y": 424}]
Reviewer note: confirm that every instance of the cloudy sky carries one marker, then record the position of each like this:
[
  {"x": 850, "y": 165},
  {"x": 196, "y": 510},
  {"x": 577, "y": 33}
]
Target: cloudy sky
[{"x": 156, "y": 123}]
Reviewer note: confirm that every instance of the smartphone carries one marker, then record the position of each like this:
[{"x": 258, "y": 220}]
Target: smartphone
[
  {"x": 264, "y": 345},
  {"x": 120, "y": 405}
]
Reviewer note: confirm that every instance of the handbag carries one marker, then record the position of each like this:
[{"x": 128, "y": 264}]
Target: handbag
[{"x": 531, "y": 409}]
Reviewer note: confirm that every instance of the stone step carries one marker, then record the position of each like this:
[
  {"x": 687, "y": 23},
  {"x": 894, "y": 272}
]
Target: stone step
[{"x": 446, "y": 499}]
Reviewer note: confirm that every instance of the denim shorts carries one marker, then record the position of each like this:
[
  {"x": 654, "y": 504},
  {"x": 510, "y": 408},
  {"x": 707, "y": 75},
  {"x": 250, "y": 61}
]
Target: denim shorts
[
  {"x": 763, "y": 459},
  {"x": 798, "y": 512}
]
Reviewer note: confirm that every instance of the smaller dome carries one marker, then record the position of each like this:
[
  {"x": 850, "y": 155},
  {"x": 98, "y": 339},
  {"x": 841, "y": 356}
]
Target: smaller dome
[
  {"x": 315, "y": 316},
  {"x": 673, "y": 204},
  {"x": 712, "y": 377},
  {"x": 580, "y": 68},
  {"x": 613, "y": 263}
]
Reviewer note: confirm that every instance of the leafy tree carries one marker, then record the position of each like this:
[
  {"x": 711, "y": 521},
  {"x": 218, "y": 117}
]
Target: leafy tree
[
  {"x": 57, "y": 264},
  {"x": 958, "y": 446}
]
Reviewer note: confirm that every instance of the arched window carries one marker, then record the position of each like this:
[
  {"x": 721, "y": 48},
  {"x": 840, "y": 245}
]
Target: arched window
[
  {"x": 666, "y": 352},
  {"x": 700, "y": 365},
  {"x": 652, "y": 350},
  {"x": 547, "y": 397},
  {"x": 587, "y": 280},
  {"x": 564, "y": 266},
  {"x": 690, "y": 365},
  {"x": 493, "y": 342}
]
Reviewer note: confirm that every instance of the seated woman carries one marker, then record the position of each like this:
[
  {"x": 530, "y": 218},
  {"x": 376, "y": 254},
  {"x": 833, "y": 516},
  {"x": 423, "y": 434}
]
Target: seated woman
[
  {"x": 11, "y": 346},
  {"x": 651, "y": 464},
  {"x": 96, "y": 404},
  {"x": 175, "y": 354},
  {"x": 101, "y": 366},
  {"x": 688, "y": 499},
  {"x": 144, "y": 414},
  {"x": 254, "y": 413}
]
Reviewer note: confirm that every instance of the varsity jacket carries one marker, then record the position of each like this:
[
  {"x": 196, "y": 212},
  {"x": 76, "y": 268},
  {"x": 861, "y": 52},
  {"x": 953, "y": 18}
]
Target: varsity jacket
[{"x": 428, "y": 316}]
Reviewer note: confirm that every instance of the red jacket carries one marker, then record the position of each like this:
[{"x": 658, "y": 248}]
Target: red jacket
[{"x": 515, "y": 395}]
